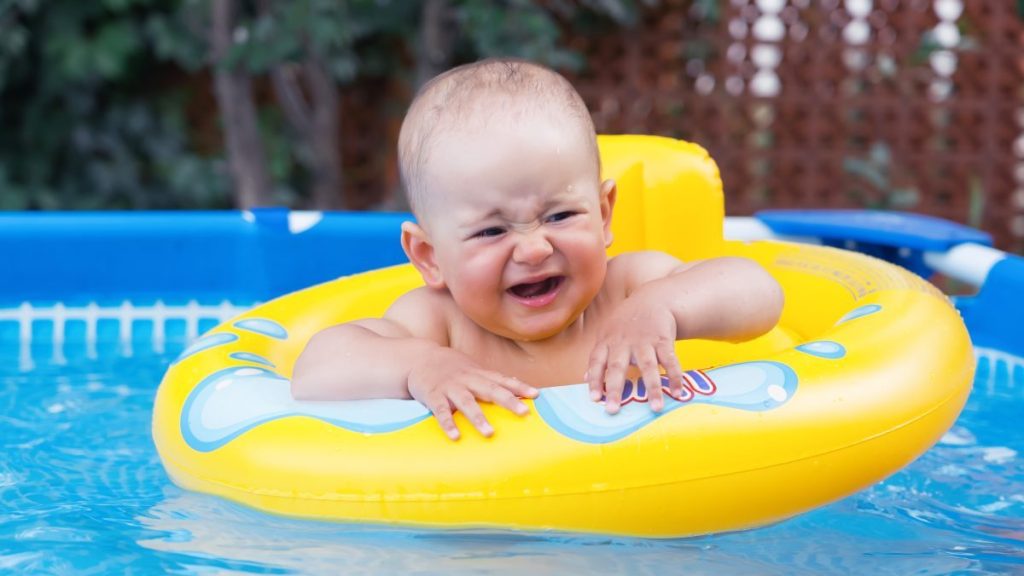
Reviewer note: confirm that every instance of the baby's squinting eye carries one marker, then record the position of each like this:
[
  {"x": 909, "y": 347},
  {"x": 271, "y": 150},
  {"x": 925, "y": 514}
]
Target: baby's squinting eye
[
  {"x": 489, "y": 232},
  {"x": 559, "y": 216}
]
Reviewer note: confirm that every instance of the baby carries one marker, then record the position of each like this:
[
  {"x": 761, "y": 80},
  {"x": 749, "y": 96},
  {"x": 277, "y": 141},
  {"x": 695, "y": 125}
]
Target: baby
[{"x": 500, "y": 163}]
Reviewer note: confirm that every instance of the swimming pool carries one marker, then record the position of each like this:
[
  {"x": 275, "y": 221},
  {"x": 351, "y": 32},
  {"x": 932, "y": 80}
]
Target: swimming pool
[{"x": 82, "y": 489}]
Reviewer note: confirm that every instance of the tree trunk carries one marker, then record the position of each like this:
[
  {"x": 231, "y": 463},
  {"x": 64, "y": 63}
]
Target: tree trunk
[
  {"x": 233, "y": 90},
  {"x": 434, "y": 55},
  {"x": 315, "y": 121},
  {"x": 435, "y": 41},
  {"x": 325, "y": 160}
]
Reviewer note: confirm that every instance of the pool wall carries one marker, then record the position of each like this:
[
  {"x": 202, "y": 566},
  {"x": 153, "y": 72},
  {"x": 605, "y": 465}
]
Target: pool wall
[
  {"x": 157, "y": 280},
  {"x": 241, "y": 257},
  {"x": 96, "y": 284}
]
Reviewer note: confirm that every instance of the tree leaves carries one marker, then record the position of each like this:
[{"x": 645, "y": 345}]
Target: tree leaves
[{"x": 93, "y": 94}]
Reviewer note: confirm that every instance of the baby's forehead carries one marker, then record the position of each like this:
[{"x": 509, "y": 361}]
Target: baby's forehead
[
  {"x": 473, "y": 103},
  {"x": 489, "y": 90},
  {"x": 475, "y": 113}
]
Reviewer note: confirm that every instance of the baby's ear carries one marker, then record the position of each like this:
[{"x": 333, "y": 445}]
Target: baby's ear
[
  {"x": 608, "y": 191},
  {"x": 420, "y": 252}
]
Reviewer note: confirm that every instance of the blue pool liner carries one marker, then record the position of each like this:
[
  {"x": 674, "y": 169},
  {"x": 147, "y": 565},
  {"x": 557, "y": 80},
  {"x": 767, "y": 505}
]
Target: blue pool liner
[
  {"x": 242, "y": 258},
  {"x": 207, "y": 256},
  {"x": 995, "y": 316}
]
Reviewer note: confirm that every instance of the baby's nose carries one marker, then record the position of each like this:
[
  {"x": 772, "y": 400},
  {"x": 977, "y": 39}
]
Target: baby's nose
[{"x": 532, "y": 248}]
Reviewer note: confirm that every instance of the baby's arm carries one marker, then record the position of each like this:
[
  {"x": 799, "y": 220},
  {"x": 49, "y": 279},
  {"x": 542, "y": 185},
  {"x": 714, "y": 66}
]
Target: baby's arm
[
  {"x": 666, "y": 300},
  {"x": 400, "y": 356}
]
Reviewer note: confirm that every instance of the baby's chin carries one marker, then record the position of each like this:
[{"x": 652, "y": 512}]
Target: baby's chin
[
  {"x": 540, "y": 334},
  {"x": 531, "y": 338}
]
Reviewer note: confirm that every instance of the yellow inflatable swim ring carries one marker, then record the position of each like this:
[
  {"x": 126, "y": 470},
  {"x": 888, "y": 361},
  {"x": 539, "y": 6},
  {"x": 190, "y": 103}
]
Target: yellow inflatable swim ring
[{"x": 868, "y": 367}]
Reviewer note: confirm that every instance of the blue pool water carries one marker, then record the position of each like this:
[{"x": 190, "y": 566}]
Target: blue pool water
[{"x": 82, "y": 491}]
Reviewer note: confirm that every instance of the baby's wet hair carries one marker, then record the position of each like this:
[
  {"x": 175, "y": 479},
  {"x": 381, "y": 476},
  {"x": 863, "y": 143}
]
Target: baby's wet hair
[{"x": 466, "y": 96}]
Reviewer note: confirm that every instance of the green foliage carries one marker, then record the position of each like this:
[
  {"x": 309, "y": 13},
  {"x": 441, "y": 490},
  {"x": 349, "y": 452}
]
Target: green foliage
[
  {"x": 534, "y": 30},
  {"x": 94, "y": 94},
  {"x": 88, "y": 124},
  {"x": 517, "y": 28},
  {"x": 269, "y": 33}
]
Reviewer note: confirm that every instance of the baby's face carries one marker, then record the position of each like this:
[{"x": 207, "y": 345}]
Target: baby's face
[{"x": 519, "y": 220}]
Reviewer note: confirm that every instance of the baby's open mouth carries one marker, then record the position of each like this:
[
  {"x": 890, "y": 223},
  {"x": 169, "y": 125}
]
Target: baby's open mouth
[{"x": 536, "y": 289}]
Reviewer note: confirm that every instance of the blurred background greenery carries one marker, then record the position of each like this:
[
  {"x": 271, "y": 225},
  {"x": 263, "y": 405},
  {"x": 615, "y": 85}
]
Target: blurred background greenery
[
  {"x": 114, "y": 103},
  {"x": 196, "y": 104}
]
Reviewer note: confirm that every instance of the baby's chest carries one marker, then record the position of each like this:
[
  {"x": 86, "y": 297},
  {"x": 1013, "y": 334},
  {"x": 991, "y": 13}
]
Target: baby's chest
[{"x": 564, "y": 365}]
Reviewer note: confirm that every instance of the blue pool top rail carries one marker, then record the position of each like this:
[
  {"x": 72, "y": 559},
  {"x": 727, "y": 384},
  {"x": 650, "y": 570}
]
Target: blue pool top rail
[
  {"x": 219, "y": 260},
  {"x": 238, "y": 256}
]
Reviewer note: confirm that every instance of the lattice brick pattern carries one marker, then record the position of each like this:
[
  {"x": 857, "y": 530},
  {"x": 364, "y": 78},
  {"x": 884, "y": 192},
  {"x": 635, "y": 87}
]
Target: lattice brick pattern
[{"x": 912, "y": 104}]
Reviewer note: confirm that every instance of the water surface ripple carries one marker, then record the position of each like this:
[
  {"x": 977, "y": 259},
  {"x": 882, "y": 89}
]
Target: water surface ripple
[{"x": 82, "y": 491}]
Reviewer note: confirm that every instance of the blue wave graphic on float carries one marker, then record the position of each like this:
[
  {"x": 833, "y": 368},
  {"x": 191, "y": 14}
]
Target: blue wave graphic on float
[
  {"x": 232, "y": 401},
  {"x": 756, "y": 386}
]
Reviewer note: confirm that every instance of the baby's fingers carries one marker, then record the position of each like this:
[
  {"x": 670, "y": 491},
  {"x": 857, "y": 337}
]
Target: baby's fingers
[
  {"x": 465, "y": 402},
  {"x": 498, "y": 392},
  {"x": 442, "y": 411},
  {"x": 647, "y": 362},
  {"x": 615, "y": 379},
  {"x": 516, "y": 386},
  {"x": 595, "y": 373},
  {"x": 668, "y": 360}
]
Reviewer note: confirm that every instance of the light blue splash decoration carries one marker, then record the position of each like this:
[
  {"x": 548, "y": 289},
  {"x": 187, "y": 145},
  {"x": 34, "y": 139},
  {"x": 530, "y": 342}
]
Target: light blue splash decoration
[
  {"x": 205, "y": 343},
  {"x": 859, "y": 313},
  {"x": 264, "y": 327},
  {"x": 250, "y": 357},
  {"x": 235, "y": 400},
  {"x": 756, "y": 386},
  {"x": 823, "y": 349}
]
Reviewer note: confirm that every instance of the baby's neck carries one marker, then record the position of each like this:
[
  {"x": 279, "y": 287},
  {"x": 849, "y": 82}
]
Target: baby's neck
[
  {"x": 559, "y": 359},
  {"x": 567, "y": 338}
]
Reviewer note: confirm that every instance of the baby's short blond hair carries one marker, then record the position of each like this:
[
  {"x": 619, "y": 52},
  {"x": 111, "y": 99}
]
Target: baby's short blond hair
[{"x": 469, "y": 95}]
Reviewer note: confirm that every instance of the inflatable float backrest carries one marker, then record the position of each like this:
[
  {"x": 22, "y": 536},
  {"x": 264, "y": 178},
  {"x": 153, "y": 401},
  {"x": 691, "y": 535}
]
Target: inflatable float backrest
[{"x": 669, "y": 196}]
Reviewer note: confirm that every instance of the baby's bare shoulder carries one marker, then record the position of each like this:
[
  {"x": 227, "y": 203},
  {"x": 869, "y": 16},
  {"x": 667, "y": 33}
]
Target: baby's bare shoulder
[
  {"x": 632, "y": 269},
  {"x": 424, "y": 312}
]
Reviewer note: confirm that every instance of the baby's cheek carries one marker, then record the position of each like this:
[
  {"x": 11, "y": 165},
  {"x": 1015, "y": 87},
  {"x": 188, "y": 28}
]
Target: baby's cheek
[
  {"x": 591, "y": 260},
  {"x": 479, "y": 272}
]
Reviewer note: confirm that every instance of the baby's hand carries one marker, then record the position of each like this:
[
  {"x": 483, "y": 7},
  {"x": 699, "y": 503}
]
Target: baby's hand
[
  {"x": 449, "y": 379},
  {"x": 638, "y": 333}
]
